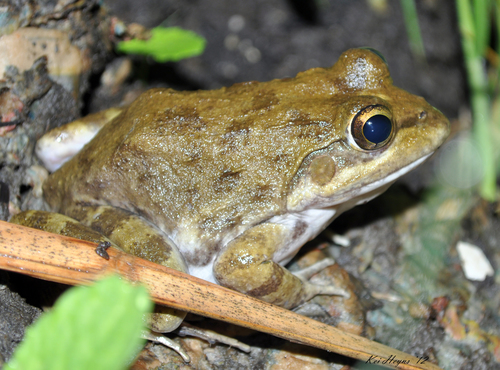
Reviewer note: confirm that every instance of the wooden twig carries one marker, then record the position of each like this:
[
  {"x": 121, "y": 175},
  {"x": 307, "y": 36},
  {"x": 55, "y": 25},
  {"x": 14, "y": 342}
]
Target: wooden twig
[{"x": 71, "y": 261}]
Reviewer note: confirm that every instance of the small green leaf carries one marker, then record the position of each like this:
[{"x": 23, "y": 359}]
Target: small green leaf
[
  {"x": 166, "y": 44},
  {"x": 96, "y": 327}
]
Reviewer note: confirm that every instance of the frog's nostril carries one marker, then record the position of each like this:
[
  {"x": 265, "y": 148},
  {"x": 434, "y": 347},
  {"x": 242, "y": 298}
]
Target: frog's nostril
[{"x": 422, "y": 115}]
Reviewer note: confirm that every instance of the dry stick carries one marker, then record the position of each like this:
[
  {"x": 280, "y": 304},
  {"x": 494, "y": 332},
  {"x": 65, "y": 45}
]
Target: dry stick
[{"x": 71, "y": 261}]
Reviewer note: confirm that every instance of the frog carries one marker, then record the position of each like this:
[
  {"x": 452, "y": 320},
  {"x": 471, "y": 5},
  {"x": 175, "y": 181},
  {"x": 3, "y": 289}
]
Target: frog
[{"x": 227, "y": 185}]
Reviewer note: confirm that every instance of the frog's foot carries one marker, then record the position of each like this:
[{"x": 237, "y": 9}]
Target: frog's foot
[
  {"x": 192, "y": 331},
  {"x": 212, "y": 337},
  {"x": 314, "y": 289},
  {"x": 167, "y": 342}
]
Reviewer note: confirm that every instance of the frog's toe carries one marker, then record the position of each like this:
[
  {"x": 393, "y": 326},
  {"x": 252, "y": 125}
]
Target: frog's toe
[
  {"x": 315, "y": 289},
  {"x": 212, "y": 337},
  {"x": 192, "y": 331},
  {"x": 167, "y": 342},
  {"x": 306, "y": 273}
]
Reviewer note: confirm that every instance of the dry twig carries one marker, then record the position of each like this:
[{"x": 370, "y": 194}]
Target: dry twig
[{"x": 71, "y": 261}]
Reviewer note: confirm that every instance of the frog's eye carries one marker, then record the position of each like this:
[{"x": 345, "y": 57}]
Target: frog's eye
[{"x": 371, "y": 128}]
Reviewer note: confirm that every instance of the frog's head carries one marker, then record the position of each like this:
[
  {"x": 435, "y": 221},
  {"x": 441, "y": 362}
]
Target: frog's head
[{"x": 383, "y": 132}]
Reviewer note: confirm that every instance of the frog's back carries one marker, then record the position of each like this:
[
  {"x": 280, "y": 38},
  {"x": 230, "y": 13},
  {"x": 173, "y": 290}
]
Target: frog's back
[{"x": 200, "y": 165}]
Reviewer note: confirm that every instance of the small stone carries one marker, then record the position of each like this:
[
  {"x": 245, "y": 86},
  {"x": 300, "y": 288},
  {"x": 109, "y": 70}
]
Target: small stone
[{"x": 474, "y": 263}]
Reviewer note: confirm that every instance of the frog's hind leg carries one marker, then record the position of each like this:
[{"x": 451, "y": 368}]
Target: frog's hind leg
[
  {"x": 137, "y": 236},
  {"x": 123, "y": 230},
  {"x": 246, "y": 265}
]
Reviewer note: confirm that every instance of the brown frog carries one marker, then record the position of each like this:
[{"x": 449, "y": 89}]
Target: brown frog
[{"x": 229, "y": 184}]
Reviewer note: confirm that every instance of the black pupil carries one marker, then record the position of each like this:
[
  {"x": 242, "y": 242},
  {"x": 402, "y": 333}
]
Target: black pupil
[{"x": 377, "y": 129}]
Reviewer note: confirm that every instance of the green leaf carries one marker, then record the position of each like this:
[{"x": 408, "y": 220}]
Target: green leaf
[
  {"x": 96, "y": 327},
  {"x": 166, "y": 44}
]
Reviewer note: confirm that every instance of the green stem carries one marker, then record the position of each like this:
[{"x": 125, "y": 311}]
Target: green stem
[
  {"x": 480, "y": 100},
  {"x": 413, "y": 29}
]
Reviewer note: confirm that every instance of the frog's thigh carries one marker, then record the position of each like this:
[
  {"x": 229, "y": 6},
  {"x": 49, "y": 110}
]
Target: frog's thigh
[
  {"x": 140, "y": 238},
  {"x": 58, "y": 224},
  {"x": 247, "y": 265}
]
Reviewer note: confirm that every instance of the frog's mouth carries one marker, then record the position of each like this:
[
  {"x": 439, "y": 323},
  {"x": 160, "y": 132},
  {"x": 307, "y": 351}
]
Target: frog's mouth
[
  {"x": 367, "y": 192},
  {"x": 390, "y": 179}
]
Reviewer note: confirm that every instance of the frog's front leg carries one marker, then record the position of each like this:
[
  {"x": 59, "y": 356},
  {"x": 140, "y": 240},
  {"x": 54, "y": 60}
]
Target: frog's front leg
[{"x": 246, "y": 265}]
